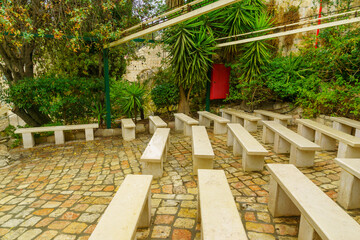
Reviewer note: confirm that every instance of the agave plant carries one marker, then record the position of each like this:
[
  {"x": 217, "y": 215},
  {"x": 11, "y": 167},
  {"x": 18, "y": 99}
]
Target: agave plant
[{"x": 132, "y": 99}]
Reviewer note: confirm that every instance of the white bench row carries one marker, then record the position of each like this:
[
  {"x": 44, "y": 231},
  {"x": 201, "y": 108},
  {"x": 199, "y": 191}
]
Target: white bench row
[
  {"x": 249, "y": 122},
  {"x": 279, "y": 118},
  {"x": 346, "y": 125},
  {"x": 245, "y": 144},
  {"x": 302, "y": 151},
  {"x": 291, "y": 193},
  {"x": 155, "y": 153},
  {"x": 184, "y": 123},
  {"x": 156, "y": 122},
  {"x": 205, "y": 119},
  {"x": 28, "y": 137},
  {"x": 349, "y": 146},
  {"x": 131, "y": 209}
]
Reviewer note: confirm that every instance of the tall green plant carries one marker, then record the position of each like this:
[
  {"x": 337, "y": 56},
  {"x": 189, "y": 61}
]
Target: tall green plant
[{"x": 132, "y": 99}]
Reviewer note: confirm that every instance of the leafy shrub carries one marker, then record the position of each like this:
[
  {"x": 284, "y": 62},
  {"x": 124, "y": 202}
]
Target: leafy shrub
[
  {"x": 64, "y": 99},
  {"x": 165, "y": 95}
]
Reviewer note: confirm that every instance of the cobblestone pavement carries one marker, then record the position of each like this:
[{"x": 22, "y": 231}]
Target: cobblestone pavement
[{"x": 60, "y": 192}]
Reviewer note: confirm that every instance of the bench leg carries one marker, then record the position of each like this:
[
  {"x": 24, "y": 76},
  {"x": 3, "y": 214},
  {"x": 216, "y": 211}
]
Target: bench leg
[
  {"x": 325, "y": 142},
  {"x": 357, "y": 132},
  {"x": 306, "y": 132},
  {"x": 226, "y": 115},
  {"x": 151, "y": 126},
  {"x": 301, "y": 158},
  {"x": 145, "y": 217},
  {"x": 202, "y": 163},
  {"x": 89, "y": 134},
  {"x": 59, "y": 137},
  {"x": 263, "y": 118},
  {"x": 28, "y": 140},
  {"x": 281, "y": 145},
  {"x": 282, "y": 122},
  {"x": 128, "y": 134},
  {"x": 280, "y": 204},
  {"x": 203, "y": 121},
  {"x": 252, "y": 162},
  {"x": 237, "y": 148},
  {"x": 250, "y": 126},
  {"x": 220, "y": 128},
  {"x": 268, "y": 135},
  {"x": 349, "y": 191},
  {"x": 230, "y": 139},
  {"x": 187, "y": 129},
  {"x": 179, "y": 125},
  {"x": 342, "y": 127},
  {"x": 346, "y": 151},
  {"x": 152, "y": 168},
  {"x": 306, "y": 231},
  {"x": 236, "y": 119}
]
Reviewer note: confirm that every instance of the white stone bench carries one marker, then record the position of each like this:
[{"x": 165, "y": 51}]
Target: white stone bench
[
  {"x": 346, "y": 125},
  {"x": 219, "y": 122},
  {"x": 128, "y": 129},
  {"x": 155, "y": 153},
  {"x": 349, "y": 146},
  {"x": 220, "y": 219},
  {"x": 302, "y": 150},
  {"x": 156, "y": 122},
  {"x": 291, "y": 193},
  {"x": 349, "y": 189},
  {"x": 128, "y": 210},
  {"x": 202, "y": 151},
  {"x": 245, "y": 144},
  {"x": 248, "y": 121},
  {"x": 28, "y": 137},
  {"x": 268, "y": 115},
  {"x": 184, "y": 123}
]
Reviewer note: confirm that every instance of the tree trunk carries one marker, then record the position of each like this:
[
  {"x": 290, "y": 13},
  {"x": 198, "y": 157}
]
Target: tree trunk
[{"x": 184, "y": 106}]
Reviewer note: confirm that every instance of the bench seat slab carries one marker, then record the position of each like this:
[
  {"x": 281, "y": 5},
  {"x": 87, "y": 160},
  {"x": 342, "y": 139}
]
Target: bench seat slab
[
  {"x": 156, "y": 122},
  {"x": 220, "y": 219},
  {"x": 128, "y": 129},
  {"x": 319, "y": 210},
  {"x": 184, "y": 123},
  {"x": 202, "y": 151},
  {"x": 130, "y": 208}
]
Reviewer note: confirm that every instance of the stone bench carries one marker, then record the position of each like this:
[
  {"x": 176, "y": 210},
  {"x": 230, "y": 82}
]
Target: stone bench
[
  {"x": 302, "y": 150},
  {"x": 128, "y": 129},
  {"x": 291, "y": 193},
  {"x": 128, "y": 210},
  {"x": 248, "y": 121},
  {"x": 28, "y": 137},
  {"x": 268, "y": 115},
  {"x": 349, "y": 189},
  {"x": 245, "y": 144},
  {"x": 184, "y": 123},
  {"x": 156, "y": 122},
  {"x": 155, "y": 153},
  {"x": 202, "y": 151},
  {"x": 219, "y": 122},
  {"x": 349, "y": 146},
  {"x": 220, "y": 219},
  {"x": 346, "y": 125}
]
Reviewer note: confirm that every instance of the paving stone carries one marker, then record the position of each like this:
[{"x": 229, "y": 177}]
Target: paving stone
[
  {"x": 161, "y": 232},
  {"x": 31, "y": 221},
  {"x": 260, "y": 236},
  {"x": 75, "y": 228},
  {"x": 12, "y": 223},
  {"x": 181, "y": 234},
  {"x": 30, "y": 234},
  {"x": 88, "y": 217},
  {"x": 184, "y": 223}
]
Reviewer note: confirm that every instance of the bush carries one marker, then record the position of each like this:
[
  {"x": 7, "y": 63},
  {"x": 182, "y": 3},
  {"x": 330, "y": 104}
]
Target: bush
[
  {"x": 165, "y": 95},
  {"x": 65, "y": 99}
]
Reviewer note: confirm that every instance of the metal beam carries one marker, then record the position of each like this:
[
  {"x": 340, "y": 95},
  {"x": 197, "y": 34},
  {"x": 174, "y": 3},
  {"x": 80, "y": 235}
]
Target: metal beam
[
  {"x": 295, "y": 31},
  {"x": 200, "y": 11}
]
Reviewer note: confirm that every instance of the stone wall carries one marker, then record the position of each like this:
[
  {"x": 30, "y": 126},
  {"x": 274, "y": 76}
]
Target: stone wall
[{"x": 150, "y": 58}]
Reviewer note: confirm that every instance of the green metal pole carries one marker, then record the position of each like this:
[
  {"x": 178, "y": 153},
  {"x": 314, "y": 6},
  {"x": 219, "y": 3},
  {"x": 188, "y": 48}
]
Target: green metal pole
[
  {"x": 107, "y": 87},
  {"x": 207, "y": 107}
]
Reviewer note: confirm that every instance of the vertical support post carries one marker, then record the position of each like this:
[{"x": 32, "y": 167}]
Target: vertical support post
[
  {"x": 107, "y": 87},
  {"x": 207, "y": 108}
]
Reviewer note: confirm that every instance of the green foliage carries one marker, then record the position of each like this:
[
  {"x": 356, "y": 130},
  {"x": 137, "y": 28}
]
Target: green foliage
[
  {"x": 165, "y": 95},
  {"x": 129, "y": 96},
  {"x": 10, "y": 131},
  {"x": 64, "y": 99}
]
